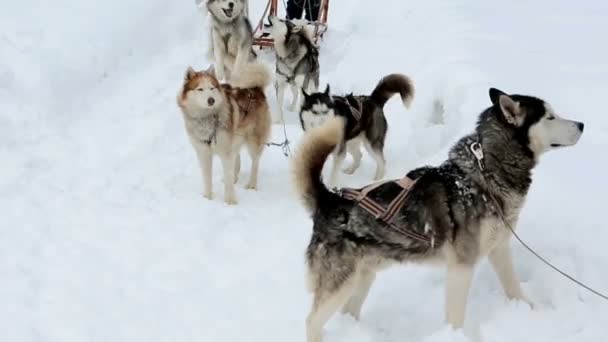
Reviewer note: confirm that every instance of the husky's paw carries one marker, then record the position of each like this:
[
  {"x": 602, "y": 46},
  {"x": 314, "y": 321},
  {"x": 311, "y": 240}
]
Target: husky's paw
[
  {"x": 251, "y": 186},
  {"x": 525, "y": 301},
  {"x": 208, "y": 195},
  {"x": 230, "y": 200}
]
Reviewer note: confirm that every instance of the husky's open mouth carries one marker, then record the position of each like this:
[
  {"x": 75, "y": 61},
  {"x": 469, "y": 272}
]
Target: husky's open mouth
[{"x": 228, "y": 12}]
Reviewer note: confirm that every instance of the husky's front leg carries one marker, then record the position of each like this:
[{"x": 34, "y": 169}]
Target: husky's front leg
[
  {"x": 458, "y": 283},
  {"x": 279, "y": 87},
  {"x": 205, "y": 161},
  {"x": 502, "y": 262},
  {"x": 242, "y": 55},
  {"x": 220, "y": 57},
  {"x": 228, "y": 166},
  {"x": 295, "y": 90}
]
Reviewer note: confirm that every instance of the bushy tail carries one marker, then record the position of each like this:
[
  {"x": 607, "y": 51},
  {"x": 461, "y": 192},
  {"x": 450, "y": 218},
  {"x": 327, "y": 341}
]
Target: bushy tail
[
  {"x": 310, "y": 157},
  {"x": 251, "y": 75},
  {"x": 393, "y": 84}
]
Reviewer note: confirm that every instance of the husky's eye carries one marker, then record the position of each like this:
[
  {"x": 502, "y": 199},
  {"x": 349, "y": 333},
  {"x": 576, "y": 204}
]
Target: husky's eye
[
  {"x": 551, "y": 118},
  {"x": 199, "y": 89}
]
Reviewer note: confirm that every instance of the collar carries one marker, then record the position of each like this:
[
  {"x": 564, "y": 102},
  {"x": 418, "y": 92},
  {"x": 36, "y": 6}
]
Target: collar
[{"x": 477, "y": 151}]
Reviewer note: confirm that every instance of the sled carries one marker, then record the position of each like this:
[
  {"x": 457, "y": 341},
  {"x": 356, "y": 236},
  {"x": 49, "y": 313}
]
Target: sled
[{"x": 262, "y": 39}]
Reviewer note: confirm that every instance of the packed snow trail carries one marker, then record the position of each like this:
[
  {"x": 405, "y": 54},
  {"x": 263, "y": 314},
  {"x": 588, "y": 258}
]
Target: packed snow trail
[{"x": 105, "y": 235}]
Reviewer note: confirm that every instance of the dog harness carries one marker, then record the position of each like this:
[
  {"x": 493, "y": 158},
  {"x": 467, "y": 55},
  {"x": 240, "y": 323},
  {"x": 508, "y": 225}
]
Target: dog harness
[
  {"x": 355, "y": 105},
  {"x": 386, "y": 214}
]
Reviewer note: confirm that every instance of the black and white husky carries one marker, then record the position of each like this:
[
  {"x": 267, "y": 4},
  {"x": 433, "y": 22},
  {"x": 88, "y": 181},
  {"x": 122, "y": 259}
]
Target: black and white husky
[
  {"x": 464, "y": 208},
  {"x": 297, "y": 61},
  {"x": 365, "y": 120},
  {"x": 231, "y": 35}
]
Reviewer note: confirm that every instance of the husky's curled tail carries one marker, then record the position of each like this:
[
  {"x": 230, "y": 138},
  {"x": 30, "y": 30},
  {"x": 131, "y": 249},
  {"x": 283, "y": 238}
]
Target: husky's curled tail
[
  {"x": 308, "y": 163},
  {"x": 251, "y": 75},
  {"x": 391, "y": 85}
]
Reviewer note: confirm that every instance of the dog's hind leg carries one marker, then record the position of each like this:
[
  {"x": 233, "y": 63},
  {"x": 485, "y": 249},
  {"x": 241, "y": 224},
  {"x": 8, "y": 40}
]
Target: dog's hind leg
[
  {"x": 255, "y": 151},
  {"x": 354, "y": 149},
  {"x": 326, "y": 302},
  {"x": 375, "y": 150},
  {"x": 237, "y": 167},
  {"x": 458, "y": 283},
  {"x": 205, "y": 160},
  {"x": 364, "y": 282}
]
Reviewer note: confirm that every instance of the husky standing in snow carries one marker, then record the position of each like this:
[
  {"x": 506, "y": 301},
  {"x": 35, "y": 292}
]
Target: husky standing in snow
[
  {"x": 458, "y": 209},
  {"x": 365, "y": 120},
  {"x": 297, "y": 61},
  {"x": 221, "y": 118},
  {"x": 231, "y": 35}
]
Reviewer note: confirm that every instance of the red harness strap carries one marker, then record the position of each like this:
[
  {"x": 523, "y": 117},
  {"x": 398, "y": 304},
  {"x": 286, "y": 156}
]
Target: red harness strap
[{"x": 385, "y": 214}]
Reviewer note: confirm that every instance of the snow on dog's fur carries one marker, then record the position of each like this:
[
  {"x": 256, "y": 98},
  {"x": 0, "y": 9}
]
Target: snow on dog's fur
[{"x": 453, "y": 205}]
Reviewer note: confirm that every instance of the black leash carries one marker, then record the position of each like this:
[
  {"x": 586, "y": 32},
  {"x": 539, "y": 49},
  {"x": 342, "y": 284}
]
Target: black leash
[{"x": 477, "y": 151}]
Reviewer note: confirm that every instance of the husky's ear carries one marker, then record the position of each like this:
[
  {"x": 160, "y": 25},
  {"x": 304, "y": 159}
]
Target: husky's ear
[
  {"x": 495, "y": 94},
  {"x": 306, "y": 95},
  {"x": 190, "y": 73},
  {"x": 326, "y": 92},
  {"x": 211, "y": 70},
  {"x": 297, "y": 28},
  {"x": 510, "y": 109}
]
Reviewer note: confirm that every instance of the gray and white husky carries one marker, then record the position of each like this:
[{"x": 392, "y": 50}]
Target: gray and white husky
[
  {"x": 364, "y": 118},
  {"x": 297, "y": 61},
  {"x": 461, "y": 206},
  {"x": 231, "y": 35}
]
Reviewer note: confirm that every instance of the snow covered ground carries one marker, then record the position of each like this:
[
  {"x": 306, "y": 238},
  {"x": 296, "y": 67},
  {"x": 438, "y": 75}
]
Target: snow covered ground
[{"x": 104, "y": 234}]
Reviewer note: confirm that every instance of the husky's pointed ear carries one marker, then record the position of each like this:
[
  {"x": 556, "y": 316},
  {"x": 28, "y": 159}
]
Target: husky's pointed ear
[
  {"x": 211, "y": 70},
  {"x": 510, "y": 110},
  {"x": 326, "y": 92},
  {"x": 297, "y": 28},
  {"x": 190, "y": 73},
  {"x": 495, "y": 94}
]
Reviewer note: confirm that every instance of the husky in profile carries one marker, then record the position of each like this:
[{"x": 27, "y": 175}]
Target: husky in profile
[
  {"x": 222, "y": 117},
  {"x": 364, "y": 117},
  {"x": 465, "y": 207},
  {"x": 297, "y": 61},
  {"x": 231, "y": 35}
]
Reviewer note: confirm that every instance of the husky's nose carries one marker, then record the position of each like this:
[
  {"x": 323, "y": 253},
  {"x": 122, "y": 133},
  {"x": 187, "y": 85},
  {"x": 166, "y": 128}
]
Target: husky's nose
[
  {"x": 210, "y": 101},
  {"x": 231, "y": 5},
  {"x": 581, "y": 126}
]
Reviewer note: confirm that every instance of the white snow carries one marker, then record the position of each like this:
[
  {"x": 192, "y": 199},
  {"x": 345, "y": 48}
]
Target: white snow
[{"x": 104, "y": 234}]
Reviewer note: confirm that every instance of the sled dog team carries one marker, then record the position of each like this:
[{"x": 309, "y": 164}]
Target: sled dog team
[{"x": 455, "y": 213}]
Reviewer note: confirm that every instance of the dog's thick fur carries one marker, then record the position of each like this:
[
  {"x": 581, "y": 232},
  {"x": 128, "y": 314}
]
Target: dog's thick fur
[
  {"x": 221, "y": 118},
  {"x": 370, "y": 129},
  {"x": 297, "y": 61},
  {"x": 454, "y": 204},
  {"x": 231, "y": 36}
]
